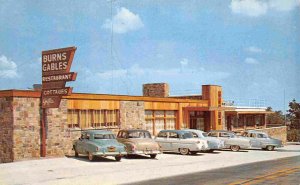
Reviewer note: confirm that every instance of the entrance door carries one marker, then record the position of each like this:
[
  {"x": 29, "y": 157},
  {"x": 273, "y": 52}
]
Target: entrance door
[{"x": 197, "y": 120}]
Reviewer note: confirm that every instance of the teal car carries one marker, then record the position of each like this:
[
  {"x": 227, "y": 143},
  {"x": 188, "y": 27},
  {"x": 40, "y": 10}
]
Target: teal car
[{"x": 99, "y": 143}]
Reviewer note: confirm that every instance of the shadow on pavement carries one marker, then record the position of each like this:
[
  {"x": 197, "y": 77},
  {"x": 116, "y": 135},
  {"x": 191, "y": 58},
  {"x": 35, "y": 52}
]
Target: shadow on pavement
[
  {"x": 97, "y": 159},
  {"x": 137, "y": 157},
  {"x": 173, "y": 153}
]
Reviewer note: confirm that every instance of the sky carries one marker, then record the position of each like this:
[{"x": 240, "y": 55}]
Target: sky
[{"x": 249, "y": 47}]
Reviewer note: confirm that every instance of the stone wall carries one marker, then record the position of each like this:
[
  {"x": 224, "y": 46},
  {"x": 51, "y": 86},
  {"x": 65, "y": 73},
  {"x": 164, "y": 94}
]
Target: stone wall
[
  {"x": 26, "y": 128},
  {"x": 277, "y": 132},
  {"x": 132, "y": 114},
  {"x": 156, "y": 90},
  {"x": 6, "y": 130},
  {"x": 56, "y": 129}
]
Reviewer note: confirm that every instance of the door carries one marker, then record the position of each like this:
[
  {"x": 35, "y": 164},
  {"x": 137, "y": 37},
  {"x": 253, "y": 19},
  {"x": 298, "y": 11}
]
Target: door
[{"x": 162, "y": 140}]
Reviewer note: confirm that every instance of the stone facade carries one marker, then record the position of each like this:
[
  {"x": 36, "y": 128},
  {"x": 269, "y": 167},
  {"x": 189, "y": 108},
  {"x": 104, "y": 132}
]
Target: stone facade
[
  {"x": 6, "y": 130},
  {"x": 132, "y": 114},
  {"x": 26, "y": 128},
  {"x": 156, "y": 90},
  {"x": 56, "y": 128}
]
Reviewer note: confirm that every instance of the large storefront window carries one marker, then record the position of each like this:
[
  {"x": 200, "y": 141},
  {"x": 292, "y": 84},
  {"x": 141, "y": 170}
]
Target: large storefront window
[
  {"x": 93, "y": 119},
  {"x": 160, "y": 120}
]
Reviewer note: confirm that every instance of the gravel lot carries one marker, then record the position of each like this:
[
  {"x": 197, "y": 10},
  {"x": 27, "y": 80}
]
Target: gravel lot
[{"x": 107, "y": 171}]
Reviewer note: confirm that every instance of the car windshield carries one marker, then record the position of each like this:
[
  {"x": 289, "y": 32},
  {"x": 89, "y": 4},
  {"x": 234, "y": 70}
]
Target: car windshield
[
  {"x": 187, "y": 135},
  {"x": 204, "y": 134},
  {"x": 104, "y": 136},
  {"x": 139, "y": 134}
]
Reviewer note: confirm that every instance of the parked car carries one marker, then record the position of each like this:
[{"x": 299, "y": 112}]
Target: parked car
[
  {"x": 138, "y": 142},
  {"x": 180, "y": 141},
  {"x": 262, "y": 140},
  {"x": 213, "y": 143},
  {"x": 231, "y": 141},
  {"x": 99, "y": 143}
]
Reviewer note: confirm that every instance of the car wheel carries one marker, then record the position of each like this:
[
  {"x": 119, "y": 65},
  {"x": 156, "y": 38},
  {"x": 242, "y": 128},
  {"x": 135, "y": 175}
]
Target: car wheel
[
  {"x": 193, "y": 153},
  {"x": 91, "y": 157},
  {"x": 235, "y": 148},
  {"x": 184, "y": 151},
  {"x": 153, "y": 156},
  {"x": 118, "y": 158},
  {"x": 270, "y": 148},
  {"x": 76, "y": 153}
]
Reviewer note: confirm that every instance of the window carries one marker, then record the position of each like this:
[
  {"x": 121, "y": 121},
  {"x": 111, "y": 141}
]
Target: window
[
  {"x": 194, "y": 134},
  {"x": 225, "y": 134},
  {"x": 173, "y": 135},
  {"x": 157, "y": 120},
  {"x": 261, "y": 136},
  {"x": 104, "y": 136},
  {"x": 139, "y": 134},
  {"x": 213, "y": 134},
  {"x": 162, "y": 134},
  {"x": 187, "y": 135}
]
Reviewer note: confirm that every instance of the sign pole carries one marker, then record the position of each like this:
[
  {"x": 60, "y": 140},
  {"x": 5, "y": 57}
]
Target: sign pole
[{"x": 43, "y": 128}]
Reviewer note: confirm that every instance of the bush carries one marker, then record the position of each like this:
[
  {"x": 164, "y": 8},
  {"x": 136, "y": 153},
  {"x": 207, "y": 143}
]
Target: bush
[{"x": 293, "y": 135}]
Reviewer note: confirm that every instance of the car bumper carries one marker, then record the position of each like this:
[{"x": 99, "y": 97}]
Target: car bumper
[
  {"x": 109, "y": 153},
  {"x": 146, "y": 152}
]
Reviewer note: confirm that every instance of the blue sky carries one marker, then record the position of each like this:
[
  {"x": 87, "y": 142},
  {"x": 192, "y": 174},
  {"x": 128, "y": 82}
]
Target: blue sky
[{"x": 249, "y": 47}]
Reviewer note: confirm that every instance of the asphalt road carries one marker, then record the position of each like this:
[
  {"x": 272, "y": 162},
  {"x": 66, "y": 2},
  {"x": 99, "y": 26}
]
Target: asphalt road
[{"x": 281, "y": 171}]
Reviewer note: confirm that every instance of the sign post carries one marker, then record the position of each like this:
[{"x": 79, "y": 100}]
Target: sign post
[{"x": 56, "y": 65}]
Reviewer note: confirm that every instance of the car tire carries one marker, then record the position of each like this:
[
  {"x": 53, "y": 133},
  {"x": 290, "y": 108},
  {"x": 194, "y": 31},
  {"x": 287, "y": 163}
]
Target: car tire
[
  {"x": 90, "y": 156},
  {"x": 270, "y": 148},
  {"x": 210, "y": 151},
  {"x": 118, "y": 158},
  {"x": 184, "y": 151},
  {"x": 76, "y": 153},
  {"x": 153, "y": 156},
  {"x": 193, "y": 153},
  {"x": 235, "y": 148}
]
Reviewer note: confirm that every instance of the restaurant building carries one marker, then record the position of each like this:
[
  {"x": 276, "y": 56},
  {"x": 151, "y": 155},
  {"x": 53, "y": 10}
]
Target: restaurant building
[{"x": 20, "y": 117}]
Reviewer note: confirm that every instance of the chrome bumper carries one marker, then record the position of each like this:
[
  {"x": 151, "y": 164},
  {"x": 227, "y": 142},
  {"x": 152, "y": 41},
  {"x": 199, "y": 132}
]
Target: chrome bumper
[
  {"x": 109, "y": 153},
  {"x": 146, "y": 152}
]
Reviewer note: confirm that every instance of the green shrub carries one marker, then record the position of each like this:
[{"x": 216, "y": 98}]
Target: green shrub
[{"x": 293, "y": 135}]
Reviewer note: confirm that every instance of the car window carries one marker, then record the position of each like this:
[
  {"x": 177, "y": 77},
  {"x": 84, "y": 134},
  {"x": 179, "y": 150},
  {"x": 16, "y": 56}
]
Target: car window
[
  {"x": 261, "y": 136},
  {"x": 119, "y": 134},
  {"x": 225, "y": 134},
  {"x": 104, "y": 136},
  {"x": 194, "y": 134},
  {"x": 213, "y": 134},
  {"x": 139, "y": 134},
  {"x": 173, "y": 135},
  {"x": 204, "y": 134},
  {"x": 187, "y": 135},
  {"x": 162, "y": 134},
  {"x": 251, "y": 135}
]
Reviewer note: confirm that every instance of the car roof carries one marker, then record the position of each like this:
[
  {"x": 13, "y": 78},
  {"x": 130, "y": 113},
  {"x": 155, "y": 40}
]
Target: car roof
[
  {"x": 177, "y": 131},
  {"x": 256, "y": 131},
  {"x": 221, "y": 131},
  {"x": 193, "y": 130},
  {"x": 98, "y": 131},
  {"x": 134, "y": 130}
]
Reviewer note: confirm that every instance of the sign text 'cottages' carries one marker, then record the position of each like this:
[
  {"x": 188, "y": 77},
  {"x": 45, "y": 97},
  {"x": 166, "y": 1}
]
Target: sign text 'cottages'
[{"x": 56, "y": 66}]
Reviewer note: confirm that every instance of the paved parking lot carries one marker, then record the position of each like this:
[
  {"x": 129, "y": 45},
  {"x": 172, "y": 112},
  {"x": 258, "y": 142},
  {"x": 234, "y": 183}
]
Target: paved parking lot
[{"x": 107, "y": 171}]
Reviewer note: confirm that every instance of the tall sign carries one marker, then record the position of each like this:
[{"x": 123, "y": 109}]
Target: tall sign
[{"x": 56, "y": 66}]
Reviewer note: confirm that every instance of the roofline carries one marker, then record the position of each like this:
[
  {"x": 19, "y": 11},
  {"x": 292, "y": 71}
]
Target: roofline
[{"x": 90, "y": 96}]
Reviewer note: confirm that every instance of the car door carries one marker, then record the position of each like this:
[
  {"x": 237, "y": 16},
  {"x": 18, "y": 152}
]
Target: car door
[
  {"x": 162, "y": 140},
  {"x": 174, "y": 141},
  {"x": 255, "y": 143},
  {"x": 262, "y": 139}
]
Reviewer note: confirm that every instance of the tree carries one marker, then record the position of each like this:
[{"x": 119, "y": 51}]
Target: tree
[
  {"x": 276, "y": 118},
  {"x": 294, "y": 114}
]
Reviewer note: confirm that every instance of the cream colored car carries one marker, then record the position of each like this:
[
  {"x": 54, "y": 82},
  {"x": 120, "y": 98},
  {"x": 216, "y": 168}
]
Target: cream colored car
[{"x": 138, "y": 142}]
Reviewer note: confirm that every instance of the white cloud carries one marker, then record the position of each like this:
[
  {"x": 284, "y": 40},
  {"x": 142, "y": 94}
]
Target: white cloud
[
  {"x": 284, "y": 5},
  {"x": 252, "y": 8},
  {"x": 8, "y": 68},
  {"x": 251, "y": 61},
  {"x": 254, "y": 49},
  {"x": 124, "y": 21},
  {"x": 255, "y": 8}
]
